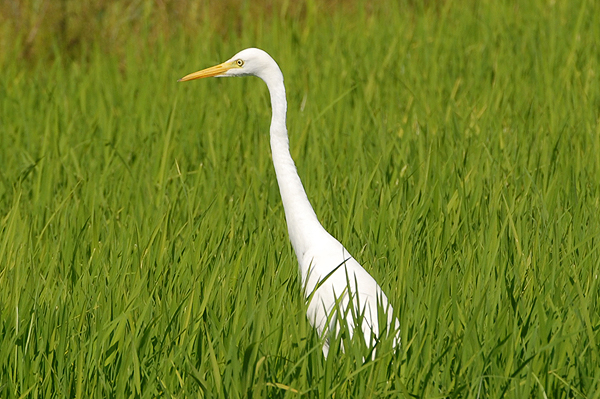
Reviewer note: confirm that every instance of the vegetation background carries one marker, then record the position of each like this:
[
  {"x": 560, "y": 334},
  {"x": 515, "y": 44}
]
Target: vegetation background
[{"x": 453, "y": 147}]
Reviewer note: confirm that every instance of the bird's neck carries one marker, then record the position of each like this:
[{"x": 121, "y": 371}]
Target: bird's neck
[{"x": 303, "y": 225}]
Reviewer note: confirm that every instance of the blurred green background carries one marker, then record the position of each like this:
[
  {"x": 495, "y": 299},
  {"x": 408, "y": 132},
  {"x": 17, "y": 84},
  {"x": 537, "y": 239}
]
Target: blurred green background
[{"x": 453, "y": 147}]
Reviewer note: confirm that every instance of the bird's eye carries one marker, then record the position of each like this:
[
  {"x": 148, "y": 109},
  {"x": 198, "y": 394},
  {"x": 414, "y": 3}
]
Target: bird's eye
[{"x": 240, "y": 63}]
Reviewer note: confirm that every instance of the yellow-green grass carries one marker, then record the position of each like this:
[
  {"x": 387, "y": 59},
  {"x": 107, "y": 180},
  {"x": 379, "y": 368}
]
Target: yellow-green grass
[{"x": 453, "y": 148}]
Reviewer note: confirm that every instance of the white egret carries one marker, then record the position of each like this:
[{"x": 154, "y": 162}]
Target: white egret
[{"x": 335, "y": 284}]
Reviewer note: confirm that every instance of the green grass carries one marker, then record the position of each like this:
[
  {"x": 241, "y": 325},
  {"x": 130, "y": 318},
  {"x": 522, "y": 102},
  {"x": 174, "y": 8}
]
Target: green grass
[{"x": 454, "y": 150}]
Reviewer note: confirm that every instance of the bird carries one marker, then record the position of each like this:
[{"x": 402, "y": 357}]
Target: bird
[{"x": 336, "y": 287}]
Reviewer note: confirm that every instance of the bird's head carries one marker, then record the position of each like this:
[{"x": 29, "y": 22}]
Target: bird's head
[{"x": 251, "y": 61}]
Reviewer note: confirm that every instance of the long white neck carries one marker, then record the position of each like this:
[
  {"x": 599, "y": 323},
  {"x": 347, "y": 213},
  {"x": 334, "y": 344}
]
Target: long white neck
[{"x": 303, "y": 225}]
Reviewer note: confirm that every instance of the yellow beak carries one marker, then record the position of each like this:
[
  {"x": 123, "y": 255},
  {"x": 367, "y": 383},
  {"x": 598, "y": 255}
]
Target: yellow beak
[{"x": 209, "y": 72}]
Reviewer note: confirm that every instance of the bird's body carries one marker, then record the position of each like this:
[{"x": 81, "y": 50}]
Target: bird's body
[{"x": 334, "y": 282}]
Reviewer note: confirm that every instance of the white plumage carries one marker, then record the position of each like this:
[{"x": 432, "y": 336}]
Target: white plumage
[{"x": 333, "y": 281}]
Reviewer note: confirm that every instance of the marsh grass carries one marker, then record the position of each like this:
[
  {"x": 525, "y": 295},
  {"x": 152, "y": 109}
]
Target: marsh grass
[{"x": 454, "y": 150}]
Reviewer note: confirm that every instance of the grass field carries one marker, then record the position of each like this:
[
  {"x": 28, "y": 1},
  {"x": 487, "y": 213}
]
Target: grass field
[{"x": 453, "y": 148}]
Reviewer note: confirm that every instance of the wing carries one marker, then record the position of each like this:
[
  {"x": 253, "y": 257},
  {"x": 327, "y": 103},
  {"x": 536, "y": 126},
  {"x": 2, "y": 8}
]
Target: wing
[{"x": 338, "y": 288}]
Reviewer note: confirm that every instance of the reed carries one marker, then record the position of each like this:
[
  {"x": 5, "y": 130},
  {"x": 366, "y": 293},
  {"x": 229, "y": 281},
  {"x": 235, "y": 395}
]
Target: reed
[{"x": 453, "y": 148}]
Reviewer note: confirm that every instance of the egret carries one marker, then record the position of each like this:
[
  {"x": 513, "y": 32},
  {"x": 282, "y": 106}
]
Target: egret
[{"x": 335, "y": 285}]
